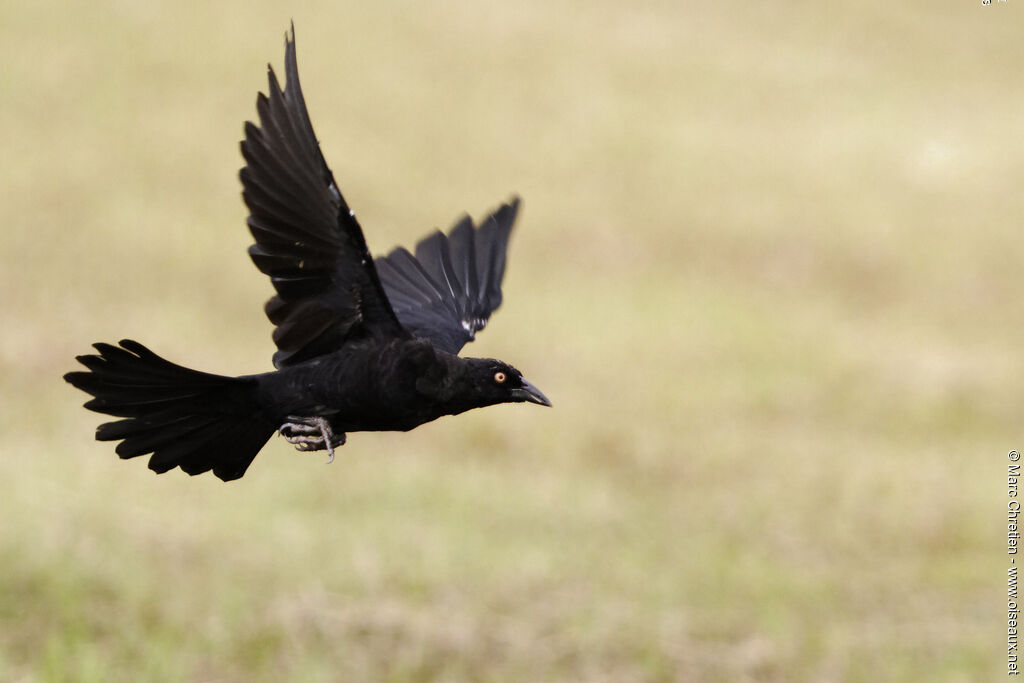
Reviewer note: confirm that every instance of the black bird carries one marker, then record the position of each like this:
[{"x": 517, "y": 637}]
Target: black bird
[{"x": 362, "y": 345}]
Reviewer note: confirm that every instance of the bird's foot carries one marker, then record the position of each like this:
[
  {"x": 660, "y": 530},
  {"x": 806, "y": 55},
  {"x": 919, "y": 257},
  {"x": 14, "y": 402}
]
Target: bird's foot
[{"x": 311, "y": 434}]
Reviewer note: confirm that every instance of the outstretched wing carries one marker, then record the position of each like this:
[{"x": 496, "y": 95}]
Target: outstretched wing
[
  {"x": 307, "y": 239},
  {"x": 448, "y": 290}
]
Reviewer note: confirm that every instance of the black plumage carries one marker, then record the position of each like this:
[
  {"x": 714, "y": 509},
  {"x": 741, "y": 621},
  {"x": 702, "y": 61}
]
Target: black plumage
[
  {"x": 447, "y": 292},
  {"x": 362, "y": 345}
]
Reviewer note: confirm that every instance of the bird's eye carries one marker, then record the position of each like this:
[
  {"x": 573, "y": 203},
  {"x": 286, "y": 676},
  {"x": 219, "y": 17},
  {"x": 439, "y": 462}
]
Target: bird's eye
[{"x": 500, "y": 377}]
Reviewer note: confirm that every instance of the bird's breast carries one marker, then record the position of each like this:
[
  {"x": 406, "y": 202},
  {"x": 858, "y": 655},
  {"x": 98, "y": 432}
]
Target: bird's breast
[{"x": 373, "y": 388}]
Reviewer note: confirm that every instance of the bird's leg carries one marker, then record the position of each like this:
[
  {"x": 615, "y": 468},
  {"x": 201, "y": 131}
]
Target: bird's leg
[{"x": 311, "y": 434}]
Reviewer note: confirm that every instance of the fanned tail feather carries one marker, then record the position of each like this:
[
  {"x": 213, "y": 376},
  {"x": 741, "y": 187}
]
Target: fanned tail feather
[{"x": 189, "y": 419}]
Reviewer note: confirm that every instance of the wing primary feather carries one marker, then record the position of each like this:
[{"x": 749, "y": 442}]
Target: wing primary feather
[
  {"x": 462, "y": 248},
  {"x": 449, "y": 289},
  {"x": 433, "y": 256},
  {"x": 328, "y": 293}
]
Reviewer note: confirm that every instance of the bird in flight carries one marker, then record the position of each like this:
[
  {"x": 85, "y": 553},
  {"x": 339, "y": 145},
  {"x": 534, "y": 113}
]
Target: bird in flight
[{"x": 362, "y": 344}]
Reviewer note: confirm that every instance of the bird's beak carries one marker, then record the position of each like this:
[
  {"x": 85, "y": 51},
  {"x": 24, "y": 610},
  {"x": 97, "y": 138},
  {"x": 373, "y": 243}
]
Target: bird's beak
[{"x": 530, "y": 393}]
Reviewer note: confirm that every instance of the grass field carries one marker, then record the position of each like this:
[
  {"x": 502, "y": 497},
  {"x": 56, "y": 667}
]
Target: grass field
[{"x": 767, "y": 269}]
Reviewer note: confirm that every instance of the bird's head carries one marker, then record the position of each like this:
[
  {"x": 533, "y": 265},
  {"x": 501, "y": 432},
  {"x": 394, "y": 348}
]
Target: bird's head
[{"x": 485, "y": 381}]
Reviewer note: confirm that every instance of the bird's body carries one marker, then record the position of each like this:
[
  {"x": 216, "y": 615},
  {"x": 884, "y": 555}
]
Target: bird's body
[
  {"x": 363, "y": 345},
  {"x": 374, "y": 387}
]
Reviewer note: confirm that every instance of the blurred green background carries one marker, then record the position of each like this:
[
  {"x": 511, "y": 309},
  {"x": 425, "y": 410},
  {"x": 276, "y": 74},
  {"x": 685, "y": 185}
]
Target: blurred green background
[{"x": 767, "y": 268}]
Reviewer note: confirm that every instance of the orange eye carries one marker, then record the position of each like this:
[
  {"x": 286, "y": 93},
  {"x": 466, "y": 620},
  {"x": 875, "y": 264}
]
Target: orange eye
[{"x": 499, "y": 377}]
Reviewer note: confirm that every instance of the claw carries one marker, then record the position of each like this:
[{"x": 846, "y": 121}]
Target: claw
[
  {"x": 299, "y": 428},
  {"x": 311, "y": 434}
]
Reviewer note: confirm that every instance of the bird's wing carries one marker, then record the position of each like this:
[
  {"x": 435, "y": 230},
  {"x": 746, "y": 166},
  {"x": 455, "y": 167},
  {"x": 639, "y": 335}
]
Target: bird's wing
[
  {"x": 307, "y": 239},
  {"x": 448, "y": 290}
]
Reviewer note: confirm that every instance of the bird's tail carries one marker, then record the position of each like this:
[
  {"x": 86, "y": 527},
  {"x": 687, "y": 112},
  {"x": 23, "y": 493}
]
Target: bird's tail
[{"x": 185, "y": 418}]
